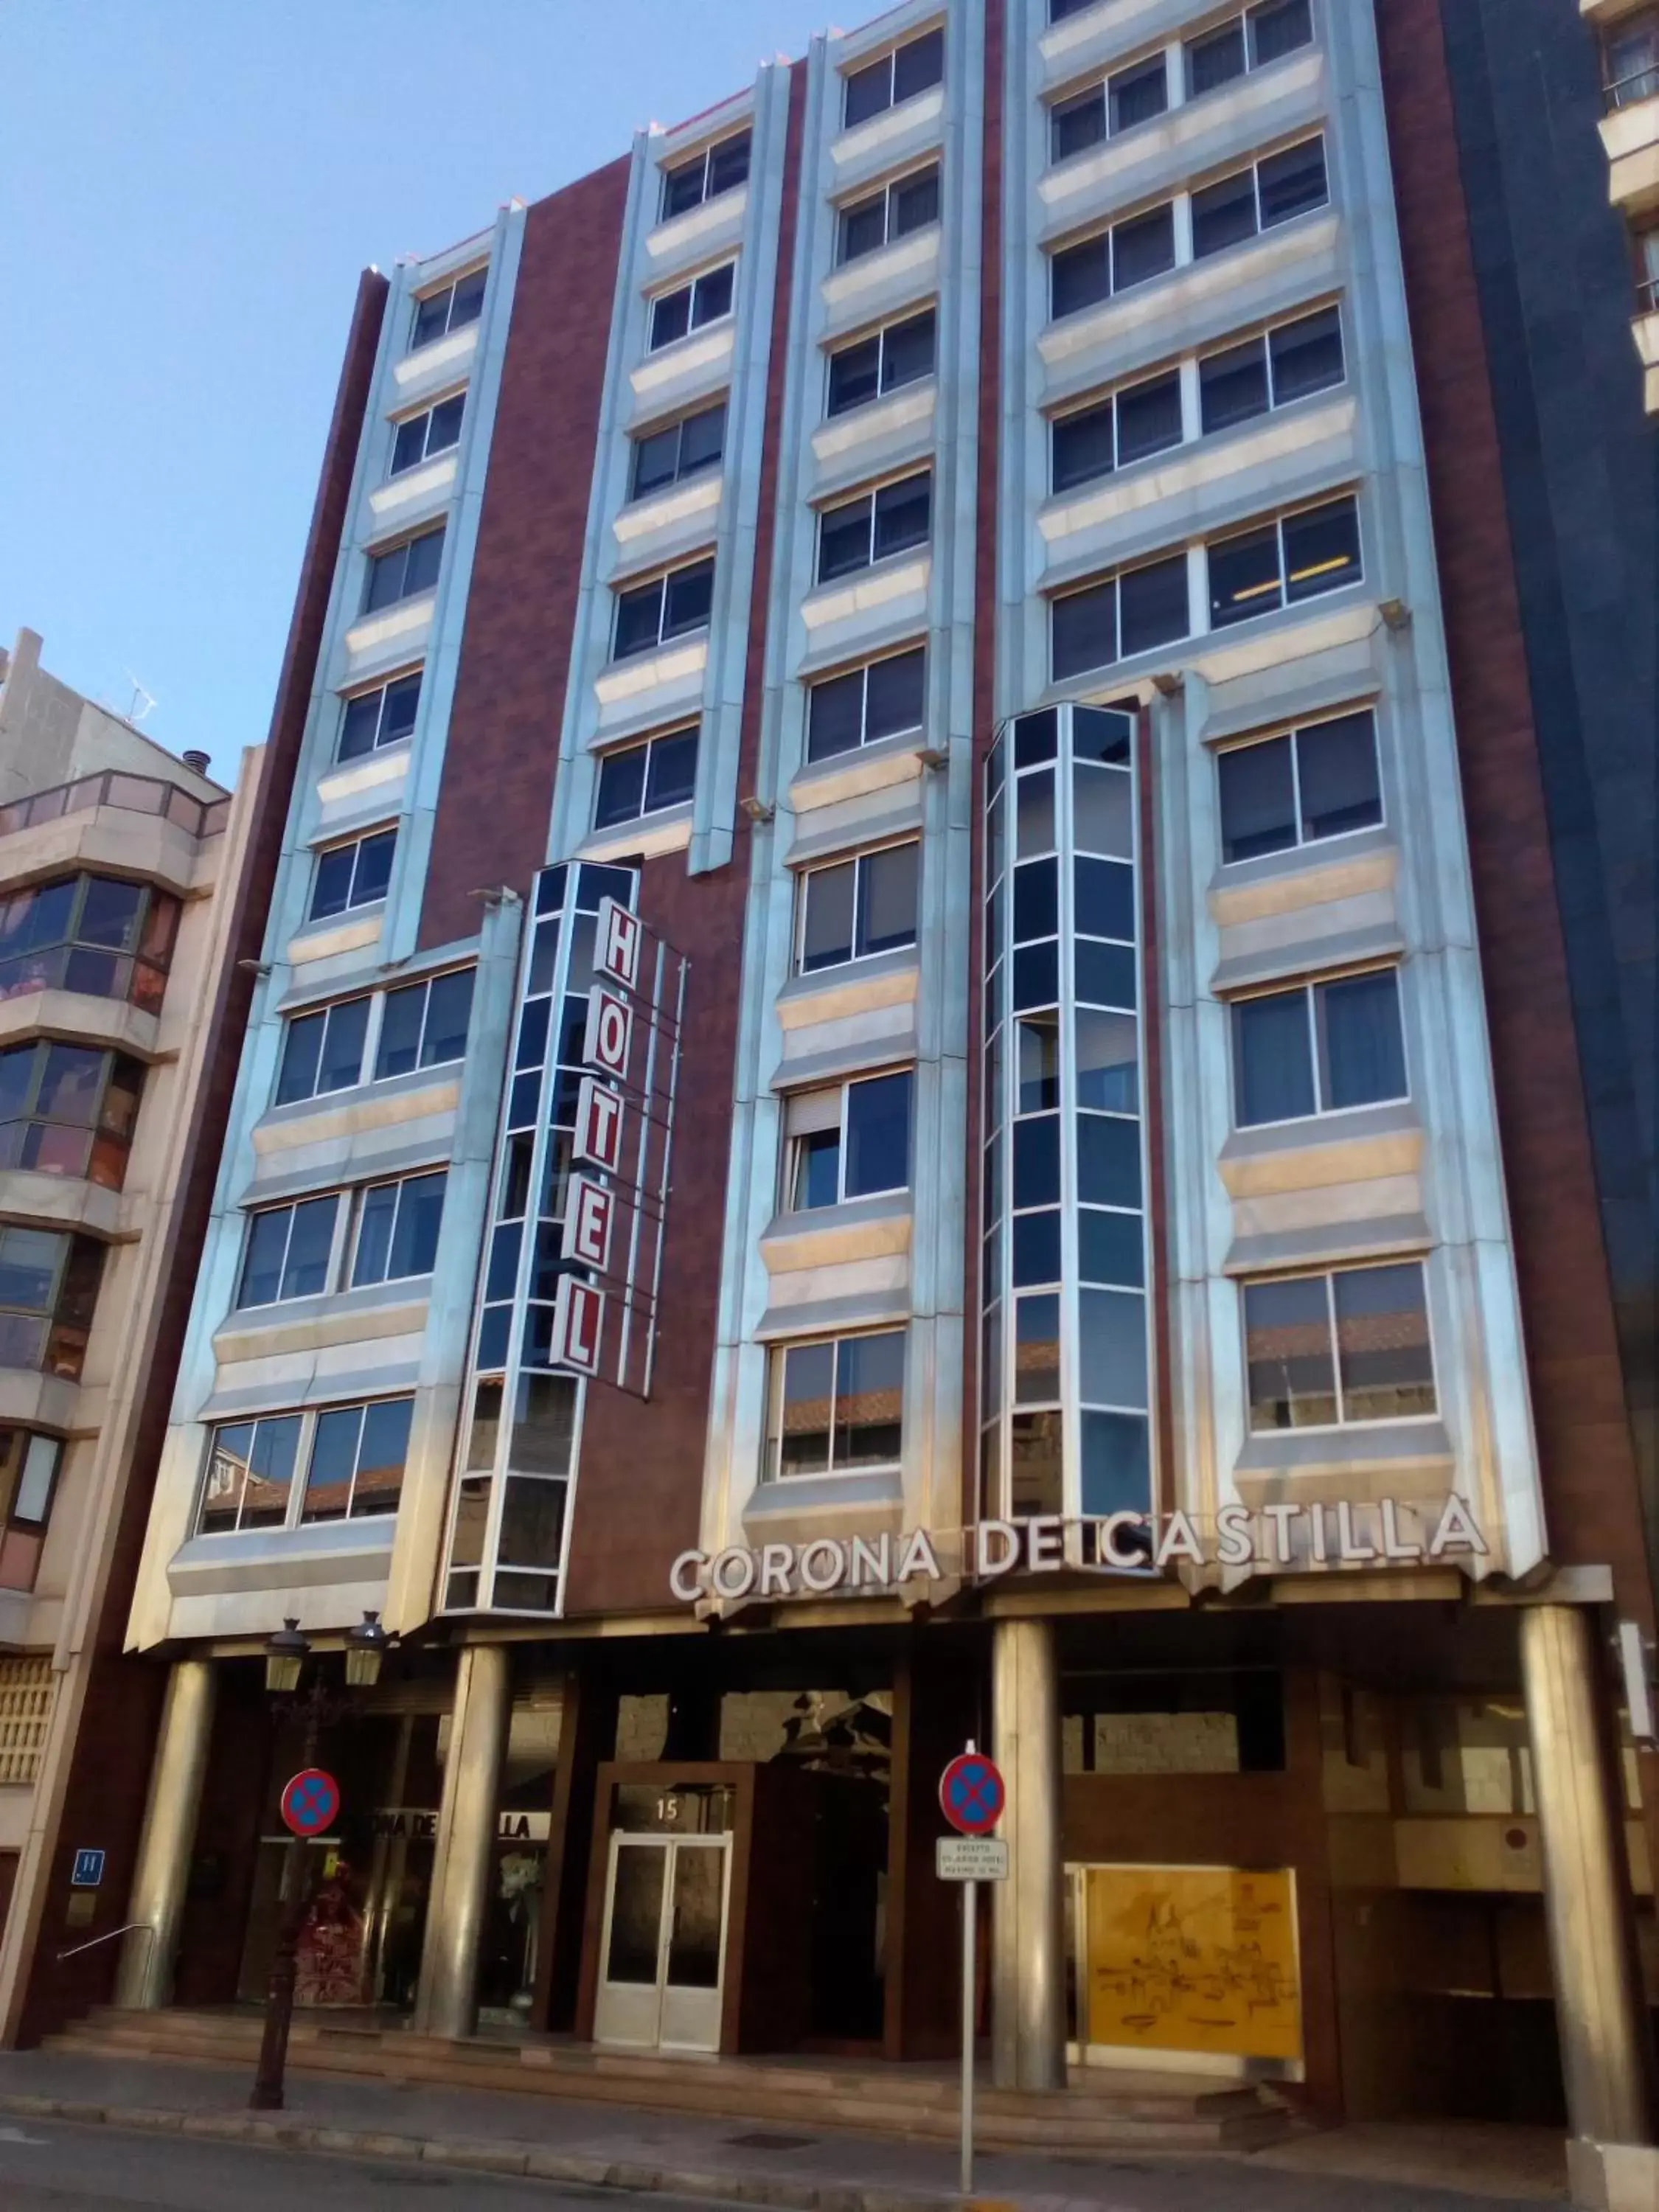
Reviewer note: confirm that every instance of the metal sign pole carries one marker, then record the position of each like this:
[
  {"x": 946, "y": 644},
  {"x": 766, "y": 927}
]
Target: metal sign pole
[{"x": 969, "y": 1931}]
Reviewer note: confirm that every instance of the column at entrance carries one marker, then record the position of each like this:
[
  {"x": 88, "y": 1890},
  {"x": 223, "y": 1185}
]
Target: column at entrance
[
  {"x": 1597, "y": 2013},
  {"x": 448, "y": 2002},
  {"x": 1027, "y": 1991},
  {"x": 145, "y": 1980}
]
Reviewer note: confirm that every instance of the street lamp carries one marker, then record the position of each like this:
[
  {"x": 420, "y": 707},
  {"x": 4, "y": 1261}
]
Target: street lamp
[{"x": 286, "y": 1653}]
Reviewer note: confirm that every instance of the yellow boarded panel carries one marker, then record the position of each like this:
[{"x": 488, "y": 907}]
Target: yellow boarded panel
[{"x": 1198, "y": 1958}]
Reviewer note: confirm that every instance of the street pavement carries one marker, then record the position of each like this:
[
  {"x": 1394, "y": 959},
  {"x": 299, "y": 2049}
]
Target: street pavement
[{"x": 157, "y": 2131}]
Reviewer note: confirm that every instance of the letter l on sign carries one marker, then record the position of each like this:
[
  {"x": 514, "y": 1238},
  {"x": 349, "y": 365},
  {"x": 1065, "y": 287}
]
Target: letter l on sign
[{"x": 577, "y": 1318}]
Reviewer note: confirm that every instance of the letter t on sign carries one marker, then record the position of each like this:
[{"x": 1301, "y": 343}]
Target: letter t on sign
[
  {"x": 598, "y": 1139},
  {"x": 617, "y": 937}
]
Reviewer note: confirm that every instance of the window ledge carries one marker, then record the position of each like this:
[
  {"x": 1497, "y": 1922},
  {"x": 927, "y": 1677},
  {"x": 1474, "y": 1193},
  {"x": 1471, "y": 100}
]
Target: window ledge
[
  {"x": 900, "y": 421},
  {"x": 374, "y": 1309},
  {"x": 886, "y": 978},
  {"x": 659, "y": 512},
  {"x": 869, "y": 145},
  {"x": 802, "y": 1506},
  {"x": 856, "y": 773},
  {"x": 1305, "y": 876},
  {"x": 701, "y": 357},
  {"x": 1402, "y": 1460},
  {"x": 322, "y": 1553},
  {"x": 885, "y": 1305},
  {"x": 906, "y": 270},
  {"x": 1363, "y": 1142},
  {"x": 352, "y": 779},
  {"x": 624, "y": 685},
  {"x": 858, "y": 1229},
  {"x": 1307, "y": 956},
  {"x": 442, "y": 358},
  {"x": 29, "y": 1399},
  {"x": 884, "y": 586},
  {"x": 387, "y": 628},
  {"x": 854, "y": 825},
  {"x": 415, "y": 494},
  {"x": 712, "y": 223},
  {"x": 348, "y": 932},
  {"x": 1327, "y": 1244},
  {"x": 61, "y": 1201},
  {"x": 645, "y": 837},
  {"x": 424, "y": 1093},
  {"x": 113, "y": 1022}
]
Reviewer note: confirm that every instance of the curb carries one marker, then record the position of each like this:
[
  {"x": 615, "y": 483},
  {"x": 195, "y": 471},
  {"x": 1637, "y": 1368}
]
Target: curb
[{"x": 488, "y": 2156}]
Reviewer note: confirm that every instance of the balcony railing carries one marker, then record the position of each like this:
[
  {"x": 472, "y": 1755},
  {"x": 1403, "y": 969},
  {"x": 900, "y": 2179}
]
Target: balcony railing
[
  {"x": 137, "y": 794},
  {"x": 1634, "y": 87}
]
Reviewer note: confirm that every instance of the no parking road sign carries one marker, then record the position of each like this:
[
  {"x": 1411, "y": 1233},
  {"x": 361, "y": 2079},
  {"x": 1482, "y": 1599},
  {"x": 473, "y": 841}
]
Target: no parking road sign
[
  {"x": 310, "y": 1801},
  {"x": 970, "y": 1794}
]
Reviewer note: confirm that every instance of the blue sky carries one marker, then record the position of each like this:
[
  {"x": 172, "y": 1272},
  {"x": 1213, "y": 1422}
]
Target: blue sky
[{"x": 189, "y": 188}]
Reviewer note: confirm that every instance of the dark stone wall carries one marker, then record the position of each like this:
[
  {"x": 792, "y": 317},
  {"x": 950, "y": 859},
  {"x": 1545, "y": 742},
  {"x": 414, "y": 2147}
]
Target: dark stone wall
[{"x": 1580, "y": 462}]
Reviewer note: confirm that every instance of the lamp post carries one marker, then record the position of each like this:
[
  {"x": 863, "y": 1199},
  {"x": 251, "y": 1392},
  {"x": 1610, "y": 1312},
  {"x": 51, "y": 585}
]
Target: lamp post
[{"x": 286, "y": 1653}]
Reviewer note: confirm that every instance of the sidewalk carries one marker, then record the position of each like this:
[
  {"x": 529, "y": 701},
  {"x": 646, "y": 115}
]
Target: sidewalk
[{"x": 1368, "y": 2168}]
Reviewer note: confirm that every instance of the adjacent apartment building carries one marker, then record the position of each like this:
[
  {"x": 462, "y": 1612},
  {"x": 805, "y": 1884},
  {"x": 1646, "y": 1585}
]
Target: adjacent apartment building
[{"x": 944, "y": 1042}]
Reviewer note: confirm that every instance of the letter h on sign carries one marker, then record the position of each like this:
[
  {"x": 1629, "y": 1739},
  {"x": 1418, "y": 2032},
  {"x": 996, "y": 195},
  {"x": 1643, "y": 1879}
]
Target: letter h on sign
[{"x": 616, "y": 940}]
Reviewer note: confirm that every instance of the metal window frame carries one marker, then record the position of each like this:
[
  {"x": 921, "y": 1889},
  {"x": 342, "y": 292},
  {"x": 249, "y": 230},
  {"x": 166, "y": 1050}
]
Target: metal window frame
[
  {"x": 777, "y": 1360},
  {"x": 857, "y": 860},
  {"x": 332, "y": 1278},
  {"x": 1328, "y": 1276}
]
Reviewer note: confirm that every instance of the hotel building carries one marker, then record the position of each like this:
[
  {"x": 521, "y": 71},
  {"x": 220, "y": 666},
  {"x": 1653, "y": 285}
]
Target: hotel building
[{"x": 947, "y": 1048}]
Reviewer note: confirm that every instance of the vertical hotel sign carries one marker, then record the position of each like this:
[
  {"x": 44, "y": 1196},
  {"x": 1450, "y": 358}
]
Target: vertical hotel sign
[{"x": 605, "y": 1319}]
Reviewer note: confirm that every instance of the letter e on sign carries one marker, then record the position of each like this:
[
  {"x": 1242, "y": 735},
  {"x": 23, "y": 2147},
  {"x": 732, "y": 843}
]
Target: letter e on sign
[
  {"x": 588, "y": 1212},
  {"x": 610, "y": 1033},
  {"x": 577, "y": 1319},
  {"x": 598, "y": 1139},
  {"x": 617, "y": 944}
]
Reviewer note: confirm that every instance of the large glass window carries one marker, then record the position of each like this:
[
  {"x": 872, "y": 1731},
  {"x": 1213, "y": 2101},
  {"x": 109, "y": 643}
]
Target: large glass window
[
  {"x": 897, "y": 77},
  {"x": 908, "y": 204},
  {"x": 69, "y": 1110},
  {"x": 855, "y": 907},
  {"x": 1275, "y": 564},
  {"x": 1129, "y": 613},
  {"x": 352, "y": 875},
  {"x": 421, "y": 437},
  {"x": 866, "y": 704},
  {"x": 404, "y": 570},
  {"x": 450, "y": 309},
  {"x": 352, "y": 1457},
  {"x": 357, "y": 1463},
  {"x": 706, "y": 299},
  {"x": 397, "y": 1226},
  {"x": 1140, "y": 419},
  {"x": 423, "y": 1025},
  {"x": 647, "y": 778},
  {"x": 1270, "y": 370},
  {"x": 1319, "y": 1048},
  {"x": 323, "y": 1051},
  {"x": 677, "y": 605},
  {"x": 901, "y": 353},
  {"x": 1330, "y": 1350},
  {"x": 684, "y": 449},
  {"x": 1269, "y": 192},
  {"x": 49, "y": 1283},
  {"x": 863, "y": 531},
  {"x": 851, "y": 1141},
  {"x": 289, "y": 1252},
  {"x": 718, "y": 168},
  {"x": 1246, "y": 42},
  {"x": 837, "y": 1406},
  {"x": 382, "y": 717},
  {"x": 1135, "y": 94},
  {"x": 28, "y": 1480},
  {"x": 1140, "y": 247},
  {"x": 1298, "y": 788},
  {"x": 1630, "y": 59},
  {"x": 99, "y": 935}
]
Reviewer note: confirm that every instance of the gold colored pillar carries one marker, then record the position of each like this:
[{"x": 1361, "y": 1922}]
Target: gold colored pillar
[
  {"x": 144, "y": 1982},
  {"x": 1028, "y": 1963},
  {"x": 462, "y": 1862}
]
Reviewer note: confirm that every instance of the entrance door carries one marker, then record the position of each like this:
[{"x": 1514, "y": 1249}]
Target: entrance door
[{"x": 664, "y": 1941}]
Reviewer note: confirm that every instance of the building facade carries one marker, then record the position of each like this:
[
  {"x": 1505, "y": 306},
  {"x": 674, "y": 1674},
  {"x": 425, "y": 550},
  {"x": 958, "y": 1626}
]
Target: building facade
[{"x": 918, "y": 1074}]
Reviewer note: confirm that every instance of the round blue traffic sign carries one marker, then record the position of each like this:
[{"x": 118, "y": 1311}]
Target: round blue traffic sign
[
  {"x": 310, "y": 1801},
  {"x": 970, "y": 1794}
]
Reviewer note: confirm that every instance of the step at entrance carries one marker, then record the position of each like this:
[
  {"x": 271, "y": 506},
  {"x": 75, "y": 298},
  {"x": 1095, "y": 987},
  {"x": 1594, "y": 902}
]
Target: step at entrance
[{"x": 1100, "y": 2112}]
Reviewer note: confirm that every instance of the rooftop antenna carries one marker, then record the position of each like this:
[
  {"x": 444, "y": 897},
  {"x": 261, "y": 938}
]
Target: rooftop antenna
[{"x": 136, "y": 713}]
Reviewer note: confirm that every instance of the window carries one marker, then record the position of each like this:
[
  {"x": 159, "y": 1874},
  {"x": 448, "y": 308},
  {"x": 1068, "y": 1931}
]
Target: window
[
  {"x": 866, "y": 704},
  {"x": 719, "y": 168},
  {"x": 99, "y": 935},
  {"x": 1324, "y": 1351},
  {"x": 855, "y": 907},
  {"x": 353, "y": 1456},
  {"x": 323, "y": 1052},
  {"x": 674, "y": 605},
  {"x": 422, "y": 1025},
  {"x": 384, "y": 716},
  {"x": 689, "y": 307},
  {"x": 853, "y": 1141},
  {"x": 1060, "y": 9},
  {"x": 69, "y": 1110},
  {"x": 1629, "y": 60},
  {"x": 908, "y": 204},
  {"x": 287, "y": 1252},
  {"x": 1646, "y": 243},
  {"x": 404, "y": 570},
  {"x": 837, "y": 1406},
  {"x": 1112, "y": 261},
  {"x": 862, "y": 530},
  {"x": 1296, "y": 556},
  {"x": 1267, "y": 193},
  {"x": 644, "y": 779},
  {"x": 1129, "y": 613},
  {"x": 685, "y": 448},
  {"x": 896, "y": 77},
  {"x": 901, "y": 353},
  {"x": 1316, "y": 782},
  {"x": 28, "y": 1478},
  {"x": 420, "y": 437},
  {"x": 1319, "y": 1048},
  {"x": 452, "y": 309},
  {"x": 1131, "y": 95},
  {"x": 397, "y": 1230},
  {"x": 1140, "y": 419},
  {"x": 48, "y": 1288},
  {"x": 1285, "y": 363},
  {"x": 352, "y": 875},
  {"x": 1248, "y": 41}
]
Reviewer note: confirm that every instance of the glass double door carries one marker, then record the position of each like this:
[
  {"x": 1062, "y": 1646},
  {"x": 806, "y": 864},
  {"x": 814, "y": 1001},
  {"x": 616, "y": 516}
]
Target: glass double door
[{"x": 664, "y": 1941}]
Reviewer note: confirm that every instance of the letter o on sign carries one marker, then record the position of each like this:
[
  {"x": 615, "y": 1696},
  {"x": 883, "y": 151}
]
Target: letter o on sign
[
  {"x": 821, "y": 1564},
  {"x": 732, "y": 1574}
]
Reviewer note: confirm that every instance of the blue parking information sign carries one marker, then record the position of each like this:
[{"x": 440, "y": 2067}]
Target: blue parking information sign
[{"x": 88, "y": 1870}]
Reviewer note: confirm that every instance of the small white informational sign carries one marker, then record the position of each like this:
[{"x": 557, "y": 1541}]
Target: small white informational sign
[{"x": 971, "y": 1859}]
